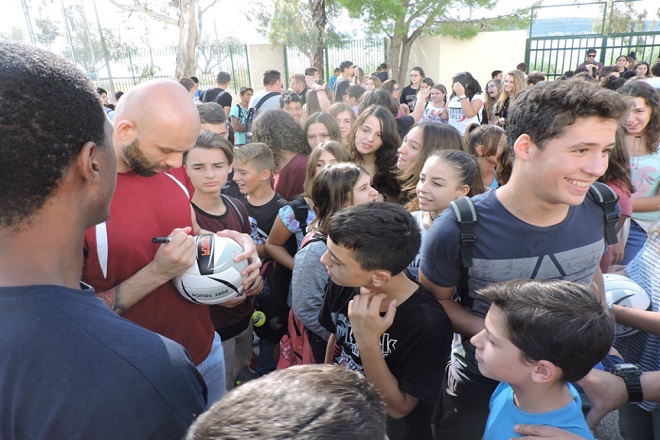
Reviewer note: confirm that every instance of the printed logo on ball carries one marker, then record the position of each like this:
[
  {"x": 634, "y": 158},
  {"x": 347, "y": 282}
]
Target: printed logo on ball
[{"x": 205, "y": 250}]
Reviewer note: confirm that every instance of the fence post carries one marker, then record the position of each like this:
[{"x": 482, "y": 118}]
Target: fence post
[
  {"x": 247, "y": 63},
  {"x": 286, "y": 64}
]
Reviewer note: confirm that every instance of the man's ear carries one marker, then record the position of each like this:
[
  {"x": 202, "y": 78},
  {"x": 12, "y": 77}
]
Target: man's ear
[
  {"x": 380, "y": 277},
  {"x": 545, "y": 371},
  {"x": 89, "y": 165},
  {"x": 523, "y": 147},
  {"x": 126, "y": 131},
  {"x": 266, "y": 174}
]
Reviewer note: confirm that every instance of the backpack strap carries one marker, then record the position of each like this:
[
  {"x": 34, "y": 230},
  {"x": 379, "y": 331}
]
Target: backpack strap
[
  {"x": 229, "y": 201},
  {"x": 466, "y": 217},
  {"x": 607, "y": 200},
  {"x": 311, "y": 237},
  {"x": 300, "y": 211},
  {"x": 264, "y": 99}
]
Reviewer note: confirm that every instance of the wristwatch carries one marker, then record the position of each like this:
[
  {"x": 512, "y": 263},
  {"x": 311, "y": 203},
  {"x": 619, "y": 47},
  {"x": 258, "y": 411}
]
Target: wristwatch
[
  {"x": 630, "y": 373},
  {"x": 461, "y": 97}
]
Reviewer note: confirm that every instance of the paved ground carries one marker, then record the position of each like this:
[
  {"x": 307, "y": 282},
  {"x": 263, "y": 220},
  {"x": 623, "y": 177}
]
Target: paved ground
[{"x": 608, "y": 429}]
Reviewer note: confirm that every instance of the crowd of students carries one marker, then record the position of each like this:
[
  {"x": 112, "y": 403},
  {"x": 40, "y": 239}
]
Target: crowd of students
[{"x": 442, "y": 243}]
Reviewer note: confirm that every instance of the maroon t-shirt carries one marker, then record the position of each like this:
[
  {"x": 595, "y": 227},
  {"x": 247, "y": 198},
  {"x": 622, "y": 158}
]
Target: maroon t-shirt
[
  {"x": 143, "y": 208},
  {"x": 290, "y": 181},
  {"x": 228, "y": 322}
]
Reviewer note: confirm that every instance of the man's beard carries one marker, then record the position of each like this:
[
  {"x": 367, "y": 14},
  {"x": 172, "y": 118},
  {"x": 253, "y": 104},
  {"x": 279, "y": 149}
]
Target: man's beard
[{"x": 138, "y": 162}]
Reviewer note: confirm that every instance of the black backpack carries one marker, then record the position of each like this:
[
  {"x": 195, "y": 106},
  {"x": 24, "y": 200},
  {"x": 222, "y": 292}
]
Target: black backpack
[
  {"x": 466, "y": 216},
  {"x": 250, "y": 116}
]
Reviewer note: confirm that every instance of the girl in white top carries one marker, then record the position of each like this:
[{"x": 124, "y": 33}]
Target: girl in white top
[
  {"x": 465, "y": 104},
  {"x": 434, "y": 109}
]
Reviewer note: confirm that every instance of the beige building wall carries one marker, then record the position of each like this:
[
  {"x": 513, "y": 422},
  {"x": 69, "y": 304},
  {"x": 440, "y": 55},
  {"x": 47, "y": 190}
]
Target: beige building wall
[
  {"x": 442, "y": 57},
  {"x": 264, "y": 57}
]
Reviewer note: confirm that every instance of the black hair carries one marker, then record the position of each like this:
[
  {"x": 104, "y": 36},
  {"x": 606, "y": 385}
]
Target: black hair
[
  {"x": 642, "y": 89},
  {"x": 380, "y": 97},
  {"x": 223, "y": 78},
  {"x": 211, "y": 113},
  {"x": 289, "y": 97},
  {"x": 195, "y": 79},
  {"x": 271, "y": 77},
  {"x": 345, "y": 65},
  {"x": 38, "y": 144},
  {"x": 555, "y": 320},
  {"x": 494, "y": 73},
  {"x": 372, "y": 230},
  {"x": 311, "y": 71},
  {"x": 278, "y": 130},
  {"x": 545, "y": 111},
  {"x": 355, "y": 91},
  {"x": 471, "y": 85}
]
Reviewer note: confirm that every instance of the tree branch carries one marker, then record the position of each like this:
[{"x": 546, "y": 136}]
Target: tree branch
[{"x": 139, "y": 7}]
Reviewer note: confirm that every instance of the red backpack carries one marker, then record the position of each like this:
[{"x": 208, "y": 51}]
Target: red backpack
[{"x": 294, "y": 346}]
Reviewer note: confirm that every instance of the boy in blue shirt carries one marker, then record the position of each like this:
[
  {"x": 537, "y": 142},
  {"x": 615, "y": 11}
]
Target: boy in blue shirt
[{"x": 540, "y": 335}]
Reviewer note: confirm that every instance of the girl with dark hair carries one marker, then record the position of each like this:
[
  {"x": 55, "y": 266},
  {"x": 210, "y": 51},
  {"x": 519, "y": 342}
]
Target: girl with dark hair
[
  {"x": 409, "y": 93},
  {"x": 643, "y": 70},
  {"x": 514, "y": 83},
  {"x": 493, "y": 92},
  {"x": 394, "y": 89},
  {"x": 335, "y": 187},
  {"x": 640, "y": 137},
  {"x": 621, "y": 63},
  {"x": 285, "y": 137},
  {"x": 445, "y": 176},
  {"x": 465, "y": 103},
  {"x": 287, "y": 222},
  {"x": 321, "y": 127},
  {"x": 374, "y": 140},
  {"x": 617, "y": 177},
  {"x": 419, "y": 143},
  {"x": 484, "y": 142},
  {"x": 437, "y": 103}
]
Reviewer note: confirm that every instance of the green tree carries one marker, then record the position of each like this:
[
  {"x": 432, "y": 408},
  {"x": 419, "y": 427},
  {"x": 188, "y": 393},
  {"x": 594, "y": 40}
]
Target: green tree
[
  {"x": 302, "y": 24},
  {"x": 48, "y": 31},
  {"x": 15, "y": 35},
  {"x": 404, "y": 21},
  {"x": 183, "y": 14}
]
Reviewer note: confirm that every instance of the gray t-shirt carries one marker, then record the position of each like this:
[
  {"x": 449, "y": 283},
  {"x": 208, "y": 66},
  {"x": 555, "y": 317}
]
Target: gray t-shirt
[{"x": 272, "y": 103}]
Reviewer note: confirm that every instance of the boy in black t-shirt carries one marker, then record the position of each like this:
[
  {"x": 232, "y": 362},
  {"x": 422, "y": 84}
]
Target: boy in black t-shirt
[
  {"x": 253, "y": 171},
  {"x": 385, "y": 325},
  {"x": 208, "y": 165}
]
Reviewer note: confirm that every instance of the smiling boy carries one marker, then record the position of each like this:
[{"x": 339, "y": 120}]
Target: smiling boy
[
  {"x": 387, "y": 326},
  {"x": 540, "y": 225}
]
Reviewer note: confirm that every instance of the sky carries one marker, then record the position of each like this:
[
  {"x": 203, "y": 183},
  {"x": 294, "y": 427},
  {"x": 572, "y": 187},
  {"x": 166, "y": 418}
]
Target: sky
[{"x": 229, "y": 18}]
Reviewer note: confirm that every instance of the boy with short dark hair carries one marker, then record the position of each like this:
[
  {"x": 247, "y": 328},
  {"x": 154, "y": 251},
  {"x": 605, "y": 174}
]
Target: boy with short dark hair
[
  {"x": 538, "y": 336},
  {"x": 386, "y": 326},
  {"x": 208, "y": 165},
  {"x": 292, "y": 103},
  {"x": 253, "y": 171}
]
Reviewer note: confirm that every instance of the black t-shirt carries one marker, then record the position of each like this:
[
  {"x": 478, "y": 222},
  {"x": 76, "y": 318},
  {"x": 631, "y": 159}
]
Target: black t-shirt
[
  {"x": 416, "y": 349},
  {"x": 262, "y": 217},
  {"x": 341, "y": 85},
  {"x": 408, "y": 97},
  {"x": 404, "y": 124},
  {"x": 382, "y": 76},
  {"x": 218, "y": 95}
]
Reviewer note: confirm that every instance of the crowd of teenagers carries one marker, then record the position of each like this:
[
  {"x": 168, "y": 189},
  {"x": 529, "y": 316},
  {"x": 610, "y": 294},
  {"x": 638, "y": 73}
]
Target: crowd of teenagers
[{"x": 441, "y": 247}]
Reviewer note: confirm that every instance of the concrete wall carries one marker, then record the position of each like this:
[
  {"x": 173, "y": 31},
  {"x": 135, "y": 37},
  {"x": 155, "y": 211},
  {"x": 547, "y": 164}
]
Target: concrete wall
[
  {"x": 262, "y": 57},
  {"x": 443, "y": 57}
]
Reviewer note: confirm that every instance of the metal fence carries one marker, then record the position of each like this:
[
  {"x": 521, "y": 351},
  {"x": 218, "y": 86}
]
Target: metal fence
[
  {"x": 366, "y": 54},
  {"x": 143, "y": 64},
  {"x": 560, "y": 35}
]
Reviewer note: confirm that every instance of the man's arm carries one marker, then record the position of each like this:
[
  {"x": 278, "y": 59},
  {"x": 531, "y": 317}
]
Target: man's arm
[
  {"x": 462, "y": 320},
  {"x": 171, "y": 259},
  {"x": 368, "y": 327}
]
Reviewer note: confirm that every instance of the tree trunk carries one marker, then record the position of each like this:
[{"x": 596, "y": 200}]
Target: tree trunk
[
  {"x": 185, "y": 57},
  {"x": 393, "y": 56},
  {"x": 319, "y": 22},
  {"x": 405, "y": 54}
]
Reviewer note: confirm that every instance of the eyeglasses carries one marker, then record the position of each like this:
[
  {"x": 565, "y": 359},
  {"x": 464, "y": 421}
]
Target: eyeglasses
[
  {"x": 592, "y": 55},
  {"x": 396, "y": 89},
  {"x": 415, "y": 74}
]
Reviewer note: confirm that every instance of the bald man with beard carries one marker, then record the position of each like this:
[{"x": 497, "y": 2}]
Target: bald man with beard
[{"x": 154, "y": 124}]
